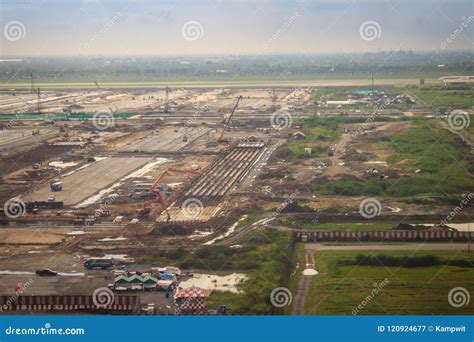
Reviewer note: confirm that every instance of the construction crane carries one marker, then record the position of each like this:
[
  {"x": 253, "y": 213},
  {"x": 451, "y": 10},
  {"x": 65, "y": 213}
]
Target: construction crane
[
  {"x": 273, "y": 108},
  {"x": 113, "y": 111},
  {"x": 32, "y": 83},
  {"x": 221, "y": 137},
  {"x": 167, "y": 96},
  {"x": 154, "y": 189},
  {"x": 38, "y": 101}
]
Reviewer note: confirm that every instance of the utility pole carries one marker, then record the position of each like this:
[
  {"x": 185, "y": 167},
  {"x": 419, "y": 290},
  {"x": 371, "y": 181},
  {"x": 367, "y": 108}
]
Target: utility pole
[
  {"x": 373, "y": 84},
  {"x": 469, "y": 237},
  {"x": 167, "y": 91},
  {"x": 273, "y": 100},
  {"x": 38, "y": 101},
  {"x": 372, "y": 93},
  {"x": 32, "y": 83}
]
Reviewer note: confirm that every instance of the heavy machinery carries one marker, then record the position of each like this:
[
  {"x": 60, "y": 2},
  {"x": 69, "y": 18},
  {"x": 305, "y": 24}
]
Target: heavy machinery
[
  {"x": 145, "y": 211},
  {"x": 221, "y": 139},
  {"x": 167, "y": 98},
  {"x": 38, "y": 101}
]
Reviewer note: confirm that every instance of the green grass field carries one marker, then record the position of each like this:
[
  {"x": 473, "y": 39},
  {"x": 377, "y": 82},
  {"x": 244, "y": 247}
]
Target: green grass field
[
  {"x": 320, "y": 134},
  {"x": 440, "y": 155},
  {"x": 339, "y": 289},
  {"x": 456, "y": 96},
  {"x": 344, "y": 226},
  {"x": 261, "y": 258}
]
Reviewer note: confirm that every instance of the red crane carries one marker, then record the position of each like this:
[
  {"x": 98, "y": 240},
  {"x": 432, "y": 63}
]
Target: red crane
[{"x": 146, "y": 206}]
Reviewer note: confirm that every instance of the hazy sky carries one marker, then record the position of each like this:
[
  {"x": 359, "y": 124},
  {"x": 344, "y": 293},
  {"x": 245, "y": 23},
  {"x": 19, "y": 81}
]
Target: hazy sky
[{"x": 146, "y": 27}]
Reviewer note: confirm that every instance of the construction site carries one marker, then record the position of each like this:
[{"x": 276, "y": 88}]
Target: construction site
[{"x": 143, "y": 178}]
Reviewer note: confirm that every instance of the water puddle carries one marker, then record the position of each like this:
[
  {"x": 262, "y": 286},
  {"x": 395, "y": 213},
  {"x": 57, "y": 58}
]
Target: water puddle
[{"x": 214, "y": 282}]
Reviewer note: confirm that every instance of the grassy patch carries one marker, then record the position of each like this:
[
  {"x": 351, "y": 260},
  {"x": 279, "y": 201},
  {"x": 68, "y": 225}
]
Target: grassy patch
[
  {"x": 320, "y": 134},
  {"x": 251, "y": 217},
  {"x": 338, "y": 289},
  {"x": 294, "y": 280},
  {"x": 458, "y": 96},
  {"x": 439, "y": 154},
  {"x": 261, "y": 258},
  {"x": 344, "y": 226},
  {"x": 403, "y": 261}
]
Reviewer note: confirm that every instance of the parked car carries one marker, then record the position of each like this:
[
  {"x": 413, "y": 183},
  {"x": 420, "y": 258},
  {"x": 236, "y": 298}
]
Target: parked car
[{"x": 46, "y": 272}]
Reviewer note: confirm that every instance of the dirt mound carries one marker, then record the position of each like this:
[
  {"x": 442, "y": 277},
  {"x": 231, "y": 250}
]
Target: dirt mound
[
  {"x": 352, "y": 154},
  {"x": 294, "y": 207},
  {"x": 172, "y": 229},
  {"x": 419, "y": 227},
  {"x": 278, "y": 173}
]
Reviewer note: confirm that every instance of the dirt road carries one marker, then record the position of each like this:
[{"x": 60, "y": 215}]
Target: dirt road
[{"x": 303, "y": 286}]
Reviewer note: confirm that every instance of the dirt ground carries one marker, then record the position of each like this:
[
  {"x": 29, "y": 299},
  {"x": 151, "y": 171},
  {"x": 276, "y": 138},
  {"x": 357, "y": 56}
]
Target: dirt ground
[
  {"x": 28, "y": 236},
  {"x": 84, "y": 183}
]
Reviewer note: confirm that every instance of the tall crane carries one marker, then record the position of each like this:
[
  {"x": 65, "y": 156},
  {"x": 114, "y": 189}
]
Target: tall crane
[
  {"x": 167, "y": 97},
  {"x": 221, "y": 137},
  {"x": 38, "y": 101},
  {"x": 146, "y": 206},
  {"x": 273, "y": 108},
  {"x": 32, "y": 83}
]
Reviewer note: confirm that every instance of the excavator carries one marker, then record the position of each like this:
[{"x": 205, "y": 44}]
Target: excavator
[{"x": 145, "y": 210}]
